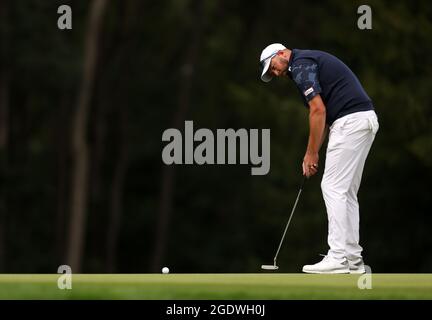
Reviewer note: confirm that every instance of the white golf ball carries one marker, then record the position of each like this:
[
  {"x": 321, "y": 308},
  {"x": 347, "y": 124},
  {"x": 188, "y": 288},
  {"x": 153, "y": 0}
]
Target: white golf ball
[{"x": 165, "y": 270}]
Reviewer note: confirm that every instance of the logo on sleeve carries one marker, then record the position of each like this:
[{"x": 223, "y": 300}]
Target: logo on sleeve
[{"x": 308, "y": 91}]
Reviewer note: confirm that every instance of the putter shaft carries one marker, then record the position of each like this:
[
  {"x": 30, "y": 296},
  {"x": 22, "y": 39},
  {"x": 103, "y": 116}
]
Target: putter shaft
[{"x": 289, "y": 220}]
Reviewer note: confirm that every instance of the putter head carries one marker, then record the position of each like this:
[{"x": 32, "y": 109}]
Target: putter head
[{"x": 269, "y": 267}]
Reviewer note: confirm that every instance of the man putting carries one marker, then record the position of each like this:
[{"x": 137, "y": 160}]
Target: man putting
[{"x": 336, "y": 100}]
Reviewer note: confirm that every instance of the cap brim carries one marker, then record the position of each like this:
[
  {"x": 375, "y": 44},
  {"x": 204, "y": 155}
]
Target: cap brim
[{"x": 264, "y": 76}]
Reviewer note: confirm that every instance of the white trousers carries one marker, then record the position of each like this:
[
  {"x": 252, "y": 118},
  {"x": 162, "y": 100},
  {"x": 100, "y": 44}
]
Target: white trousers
[{"x": 350, "y": 139}]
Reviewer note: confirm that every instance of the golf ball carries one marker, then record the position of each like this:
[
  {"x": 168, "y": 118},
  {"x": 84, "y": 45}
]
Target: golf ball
[{"x": 165, "y": 270}]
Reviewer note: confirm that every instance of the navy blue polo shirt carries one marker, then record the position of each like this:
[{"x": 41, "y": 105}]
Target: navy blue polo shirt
[{"x": 317, "y": 72}]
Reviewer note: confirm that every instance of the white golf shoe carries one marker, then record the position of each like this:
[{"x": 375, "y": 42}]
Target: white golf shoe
[
  {"x": 328, "y": 265},
  {"x": 356, "y": 266}
]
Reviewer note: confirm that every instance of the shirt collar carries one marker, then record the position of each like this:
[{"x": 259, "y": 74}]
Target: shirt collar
[{"x": 290, "y": 62}]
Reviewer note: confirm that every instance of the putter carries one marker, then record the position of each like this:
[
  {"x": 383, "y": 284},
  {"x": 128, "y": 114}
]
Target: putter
[{"x": 274, "y": 266}]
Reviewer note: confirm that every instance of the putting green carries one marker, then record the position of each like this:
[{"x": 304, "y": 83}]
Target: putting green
[{"x": 217, "y": 286}]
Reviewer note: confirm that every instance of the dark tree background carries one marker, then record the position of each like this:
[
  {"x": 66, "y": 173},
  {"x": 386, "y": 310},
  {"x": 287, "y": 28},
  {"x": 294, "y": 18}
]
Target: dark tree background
[{"x": 82, "y": 113}]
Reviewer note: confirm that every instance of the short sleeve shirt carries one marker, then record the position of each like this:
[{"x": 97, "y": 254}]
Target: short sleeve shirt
[
  {"x": 317, "y": 72},
  {"x": 305, "y": 76}
]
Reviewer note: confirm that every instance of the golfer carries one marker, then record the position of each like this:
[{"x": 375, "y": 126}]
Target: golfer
[{"x": 337, "y": 103}]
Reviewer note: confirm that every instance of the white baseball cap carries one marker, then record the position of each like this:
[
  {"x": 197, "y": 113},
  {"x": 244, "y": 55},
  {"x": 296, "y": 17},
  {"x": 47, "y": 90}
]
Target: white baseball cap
[{"x": 266, "y": 55}]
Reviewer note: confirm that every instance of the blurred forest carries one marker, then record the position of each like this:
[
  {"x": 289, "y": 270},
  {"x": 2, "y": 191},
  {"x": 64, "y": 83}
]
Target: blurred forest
[{"x": 82, "y": 113}]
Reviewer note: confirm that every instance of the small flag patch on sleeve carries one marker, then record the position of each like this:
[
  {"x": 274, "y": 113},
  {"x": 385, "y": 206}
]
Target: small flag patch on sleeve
[{"x": 308, "y": 91}]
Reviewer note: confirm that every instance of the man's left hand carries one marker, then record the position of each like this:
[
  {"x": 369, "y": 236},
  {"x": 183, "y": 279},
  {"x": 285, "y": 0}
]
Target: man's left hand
[{"x": 310, "y": 164}]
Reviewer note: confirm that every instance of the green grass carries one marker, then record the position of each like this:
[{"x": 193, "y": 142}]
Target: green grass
[{"x": 215, "y": 286}]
